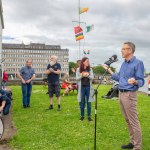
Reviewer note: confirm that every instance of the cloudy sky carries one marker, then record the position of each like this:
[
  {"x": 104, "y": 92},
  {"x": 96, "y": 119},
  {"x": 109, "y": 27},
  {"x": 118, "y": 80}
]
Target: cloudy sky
[{"x": 50, "y": 22}]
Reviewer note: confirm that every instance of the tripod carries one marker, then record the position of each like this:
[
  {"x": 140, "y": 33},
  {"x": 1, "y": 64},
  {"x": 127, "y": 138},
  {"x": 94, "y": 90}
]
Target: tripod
[{"x": 96, "y": 95}]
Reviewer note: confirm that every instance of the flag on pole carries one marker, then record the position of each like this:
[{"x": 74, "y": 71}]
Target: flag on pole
[
  {"x": 89, "y": 28},
  {"x": 82, "y": 10},
  {"x": 79, "y": 36},
  {"x": 78, "y": 33},
  {"x": 86, "y": 52}
]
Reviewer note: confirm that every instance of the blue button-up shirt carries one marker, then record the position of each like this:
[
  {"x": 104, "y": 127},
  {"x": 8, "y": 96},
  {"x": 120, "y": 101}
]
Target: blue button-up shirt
[
  {"x": 27, "y": 72},
  {"x": 134, "y": 68}
]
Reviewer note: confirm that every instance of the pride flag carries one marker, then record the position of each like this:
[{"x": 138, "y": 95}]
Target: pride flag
[{"x": 78, "y": 33}]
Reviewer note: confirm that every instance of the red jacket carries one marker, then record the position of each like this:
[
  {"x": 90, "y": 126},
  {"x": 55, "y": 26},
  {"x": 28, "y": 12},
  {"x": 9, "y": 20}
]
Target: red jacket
[{"x": 5, "y": 76}]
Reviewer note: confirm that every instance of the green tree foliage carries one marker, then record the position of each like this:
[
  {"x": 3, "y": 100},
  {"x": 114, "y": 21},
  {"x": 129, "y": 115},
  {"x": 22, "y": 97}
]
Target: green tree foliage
[
  {"x": 72, "y": 65},
  {"x": 100, "y": 70}
]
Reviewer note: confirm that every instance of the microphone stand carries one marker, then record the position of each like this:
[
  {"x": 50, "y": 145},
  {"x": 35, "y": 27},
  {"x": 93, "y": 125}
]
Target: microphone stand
[{"x": 96, "y": 95}]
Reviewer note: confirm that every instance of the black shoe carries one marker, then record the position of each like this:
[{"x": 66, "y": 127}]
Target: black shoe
[
  {"x": 59, "y": 109},
  {"x": 129, "y": 146},
  {"x": 90, "y": 119},
  {"x": 51, "y": 107},
  {"x": 24, "y": 106},
  {"x": 82, "y": 118}
]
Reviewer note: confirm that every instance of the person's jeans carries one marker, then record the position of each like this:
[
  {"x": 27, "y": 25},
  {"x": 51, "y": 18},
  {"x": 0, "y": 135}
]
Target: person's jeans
[
  {"x": 85, "y": 93},
  {"x": 7, "y": 105},
  {"x": 26, "y": 93},
  {"x": 4, "y": 85}
]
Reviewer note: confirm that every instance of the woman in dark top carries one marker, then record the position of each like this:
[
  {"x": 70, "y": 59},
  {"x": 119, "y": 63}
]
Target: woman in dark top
[{"x": 84, "y": 76}]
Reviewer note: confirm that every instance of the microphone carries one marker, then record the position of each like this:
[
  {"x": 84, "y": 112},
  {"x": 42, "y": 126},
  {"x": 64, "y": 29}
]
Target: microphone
[{"x": 111, "y": 60}]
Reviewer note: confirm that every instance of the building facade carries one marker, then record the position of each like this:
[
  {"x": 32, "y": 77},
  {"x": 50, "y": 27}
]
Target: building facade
[{"x": 15, "y": 55}]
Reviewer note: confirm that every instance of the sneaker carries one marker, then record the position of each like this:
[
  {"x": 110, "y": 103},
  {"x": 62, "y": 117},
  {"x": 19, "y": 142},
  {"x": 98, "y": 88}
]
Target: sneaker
[
  {"x": 51, "y": 107},
  {"x": 90, "y": 119},
  {"x": 129, "y": 146},
  {"x": 82, "y": 118}
]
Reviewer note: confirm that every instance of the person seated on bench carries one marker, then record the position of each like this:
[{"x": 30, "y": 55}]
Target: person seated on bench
[
  {"x": 7, "y": 92},
  {"x": 67, "y": 85},
  {"x": 5, "y": 103},
  {"x": 113, "y": 92}
]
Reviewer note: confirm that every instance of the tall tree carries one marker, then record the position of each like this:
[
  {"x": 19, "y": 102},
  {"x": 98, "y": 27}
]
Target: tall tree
[
  {"x": 72, "y": 65},
  {"x": 100, "y": 70}
]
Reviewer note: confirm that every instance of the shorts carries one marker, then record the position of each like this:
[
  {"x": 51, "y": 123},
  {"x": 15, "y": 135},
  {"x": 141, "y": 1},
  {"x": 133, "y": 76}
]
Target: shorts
[
  {"x": 64, "y": 85},
  {"x": 54, "y": 88}
]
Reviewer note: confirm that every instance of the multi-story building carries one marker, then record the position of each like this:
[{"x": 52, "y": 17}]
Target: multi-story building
[{"x": 15, "y": 55}]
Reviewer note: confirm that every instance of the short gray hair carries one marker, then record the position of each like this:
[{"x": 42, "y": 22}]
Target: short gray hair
[
  {"x": 29, "y": 59},
  {"x": 54, "y": 56},
  {"x": 131, "y": 45}
]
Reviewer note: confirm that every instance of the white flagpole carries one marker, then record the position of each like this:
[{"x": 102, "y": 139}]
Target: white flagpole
[{"x": 79, "y": 26}]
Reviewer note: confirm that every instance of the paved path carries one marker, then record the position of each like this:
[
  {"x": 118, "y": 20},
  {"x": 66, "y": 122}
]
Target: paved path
[{"x": 9, "y": 131}]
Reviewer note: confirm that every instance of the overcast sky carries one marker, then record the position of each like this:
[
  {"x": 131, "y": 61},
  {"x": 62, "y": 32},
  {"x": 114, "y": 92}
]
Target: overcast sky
[{"x": 50, "y": 22}]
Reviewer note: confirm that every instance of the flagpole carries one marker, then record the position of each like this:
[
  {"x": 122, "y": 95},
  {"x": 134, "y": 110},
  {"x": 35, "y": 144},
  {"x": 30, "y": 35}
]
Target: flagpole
[{"x": 79, "y": 26}]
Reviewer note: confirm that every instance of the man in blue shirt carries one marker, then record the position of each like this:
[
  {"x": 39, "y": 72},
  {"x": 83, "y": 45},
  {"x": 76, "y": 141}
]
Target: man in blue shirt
[
  {"x": 53, "y": 71},
  {"x": 26, "y": 74},
  {"x": 130, "y": 78}
]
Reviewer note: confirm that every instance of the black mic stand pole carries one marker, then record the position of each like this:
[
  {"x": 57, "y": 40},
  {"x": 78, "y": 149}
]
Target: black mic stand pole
[{"x": 96, "y": 95}]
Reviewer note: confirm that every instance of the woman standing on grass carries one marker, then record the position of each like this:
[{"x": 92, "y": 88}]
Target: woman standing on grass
[{"x": 84, "y": 77}]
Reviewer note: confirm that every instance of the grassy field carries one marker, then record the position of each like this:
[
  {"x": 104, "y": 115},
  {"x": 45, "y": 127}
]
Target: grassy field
[{"x": 41, "y": 129}]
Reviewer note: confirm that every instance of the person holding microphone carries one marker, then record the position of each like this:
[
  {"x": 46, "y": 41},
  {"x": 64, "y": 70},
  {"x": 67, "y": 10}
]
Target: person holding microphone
[{"x": 130, "y": 78}]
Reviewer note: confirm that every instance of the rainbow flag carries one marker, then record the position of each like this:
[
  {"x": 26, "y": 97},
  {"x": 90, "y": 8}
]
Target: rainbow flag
[{"x": 78, "y": 33}]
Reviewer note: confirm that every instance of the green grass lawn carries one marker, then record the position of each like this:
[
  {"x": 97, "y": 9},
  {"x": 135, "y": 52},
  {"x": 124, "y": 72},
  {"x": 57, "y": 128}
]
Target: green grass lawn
[{"x": 41, "y": 129}]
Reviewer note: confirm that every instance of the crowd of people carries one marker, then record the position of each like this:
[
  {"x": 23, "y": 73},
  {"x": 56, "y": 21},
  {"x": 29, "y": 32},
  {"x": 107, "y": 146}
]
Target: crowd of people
[{"x": 130, "y": 78}]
